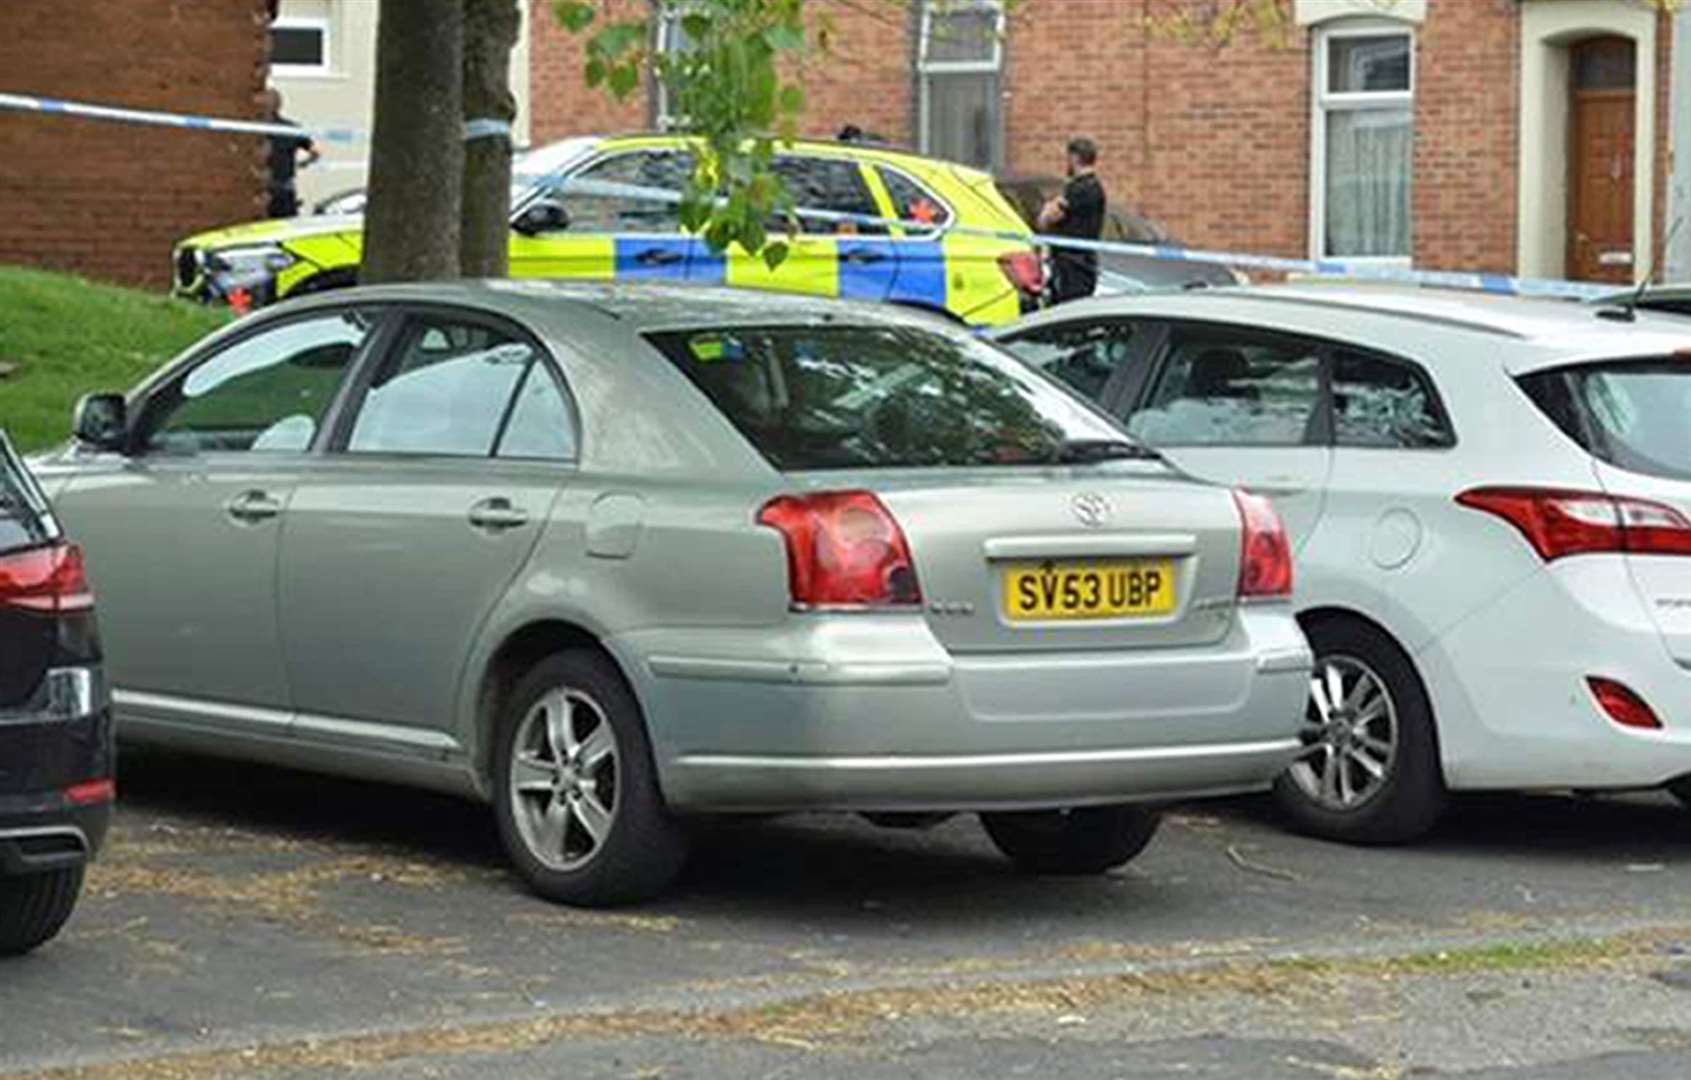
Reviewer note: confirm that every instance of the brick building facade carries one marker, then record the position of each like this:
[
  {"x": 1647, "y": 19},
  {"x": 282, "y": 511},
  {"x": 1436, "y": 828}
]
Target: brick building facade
[
  {"x": 1443, "y": 132},
  {"x": 110, "y": 199}
]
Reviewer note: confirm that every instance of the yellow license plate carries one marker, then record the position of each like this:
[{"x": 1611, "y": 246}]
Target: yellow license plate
[{"x": 1113, "y": 589}]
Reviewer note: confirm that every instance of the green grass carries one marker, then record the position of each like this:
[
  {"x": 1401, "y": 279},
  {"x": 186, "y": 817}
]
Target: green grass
[{"x": 69, "y": 336}]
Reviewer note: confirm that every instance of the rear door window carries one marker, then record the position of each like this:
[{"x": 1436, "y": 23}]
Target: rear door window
[
  {"x": 1635, "y": 415},
  {"x": 446, "y": 390},
  {"x": 913, "y": 202},
  {"x": 844, "y": 397},
  {"x": 1220, "y": 387},
  {"x": 830, "y": 184},
  {"x": 1385, "y": 404},
  {"x": 614, "y": 211}
]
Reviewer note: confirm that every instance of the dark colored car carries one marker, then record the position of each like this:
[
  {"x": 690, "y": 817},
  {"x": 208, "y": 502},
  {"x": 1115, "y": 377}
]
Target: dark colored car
[
  {"x": 1120, "y": 272},
  {"x": 56, "y": 751}
]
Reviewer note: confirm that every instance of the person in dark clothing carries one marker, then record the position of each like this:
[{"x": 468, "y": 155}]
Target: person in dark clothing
[
  {"x": 1077, "y": 212},
  {"x": 285, "y": 162}
]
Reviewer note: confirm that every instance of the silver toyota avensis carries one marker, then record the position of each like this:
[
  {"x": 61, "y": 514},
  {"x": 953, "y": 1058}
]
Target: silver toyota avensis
[{"x": 609, "y": 557}]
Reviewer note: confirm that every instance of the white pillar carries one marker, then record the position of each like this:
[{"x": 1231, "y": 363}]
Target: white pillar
[{"x": 1678, "y": 257}]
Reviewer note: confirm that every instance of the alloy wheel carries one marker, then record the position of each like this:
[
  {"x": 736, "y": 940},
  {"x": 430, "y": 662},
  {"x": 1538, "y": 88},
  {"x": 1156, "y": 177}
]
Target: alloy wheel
[
  {"x": 1351, "y": 735},
  {"x": 564, "y": 773}
]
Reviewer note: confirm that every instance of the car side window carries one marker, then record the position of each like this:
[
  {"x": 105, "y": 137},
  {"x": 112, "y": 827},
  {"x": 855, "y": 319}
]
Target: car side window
[
  {"x": 614, "y": 213},
  {"x": 265, "y": 393},
  {"x": 1224, "y": 388},
  {"x": 1379, "y": 402},
  {"x": 833, "y": 184},
  {"x": 445, "y": 389},
  {"x": 540, "y": 427},
  {"x": 913, "y": 202},
  {"x": 1082, "y": 354}
]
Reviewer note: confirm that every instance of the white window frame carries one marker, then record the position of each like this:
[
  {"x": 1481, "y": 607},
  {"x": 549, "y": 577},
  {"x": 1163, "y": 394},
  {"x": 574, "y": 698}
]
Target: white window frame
[
  {"x": 324, "y": 27},
  {"x": 1324, "y": 101},
  {"x": 926, "y": 69},
  {"x": 667, "y": 26}
]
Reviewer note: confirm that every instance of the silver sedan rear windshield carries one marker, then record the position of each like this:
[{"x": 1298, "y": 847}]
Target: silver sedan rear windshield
[
  {"x": 850, "y": 397},
  {"x": 1634, "y": 414}
]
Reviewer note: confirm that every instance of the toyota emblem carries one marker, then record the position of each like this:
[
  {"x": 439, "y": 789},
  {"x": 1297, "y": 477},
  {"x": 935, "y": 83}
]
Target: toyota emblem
[{"x": 1092, "y": 509}]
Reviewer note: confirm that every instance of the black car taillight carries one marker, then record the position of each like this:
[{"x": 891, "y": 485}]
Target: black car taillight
[{"x": 49, "y": 580}]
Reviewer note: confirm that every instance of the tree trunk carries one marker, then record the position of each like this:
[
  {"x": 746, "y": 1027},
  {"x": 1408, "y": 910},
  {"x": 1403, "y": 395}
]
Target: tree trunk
[
  {"x": 411, "y": 224},
  {"x": 490, "y": 32}
]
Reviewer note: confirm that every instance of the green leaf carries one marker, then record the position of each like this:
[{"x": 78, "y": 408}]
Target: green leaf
[
  {"x": 595, "y": 72},
  {"x": 792, "y": 98},
  {"x": 775, "y": 254},
  {"x": 575, "y": 15},
  {"x": 624, "y": 79},
  {"x": 785, "y": 38}
]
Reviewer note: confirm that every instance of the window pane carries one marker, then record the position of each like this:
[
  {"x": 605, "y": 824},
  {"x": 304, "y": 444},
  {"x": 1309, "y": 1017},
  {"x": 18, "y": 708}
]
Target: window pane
[
  {"x": 620, "y": 213},
  {"x": 1368, "y": 168},
  {"x": 298, "y": 45},
  {"x": 911, "y": 201},
  {"x": 444, "y": 392},
  {"x": 829, "y": 184},
  {"x": 847, "y": 397},
  {"x": 963, "y": 117},
  {"x": 1379, "y": 403},
  {"x": 969, "y": 35},
  {"x": 1605, "y": 64},
  {"x": 1219, "y": 390},
  {"x": 540, "y": 424},
  {"x": 23, "y": 517},
  {"x": 1634, "y": 414},
  {"x": 267, "y": 393},
  {"x": 1368, "y": 64},
  {"x": 1083, "y": 355}
]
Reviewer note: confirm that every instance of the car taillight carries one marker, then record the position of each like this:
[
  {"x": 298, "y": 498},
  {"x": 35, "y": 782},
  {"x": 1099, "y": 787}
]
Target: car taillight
[
  {"x": 1024, "y": 270},
  {"x": 1560, "y": 523},
  {"x": 90, "y": 792},
  {"x": 1623, "y": 706},
  {"x": 1265, "y": 558},
  {"x": 844, "y": 550},
  {"x": 50, "y": 579}
]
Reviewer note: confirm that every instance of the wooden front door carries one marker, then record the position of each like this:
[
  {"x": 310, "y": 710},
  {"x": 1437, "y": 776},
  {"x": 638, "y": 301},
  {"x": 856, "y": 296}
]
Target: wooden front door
[{"x": 1600, "y": 160}]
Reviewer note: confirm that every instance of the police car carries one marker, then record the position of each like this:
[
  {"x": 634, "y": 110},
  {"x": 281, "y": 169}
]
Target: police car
[{"x": 928, "y": 263}]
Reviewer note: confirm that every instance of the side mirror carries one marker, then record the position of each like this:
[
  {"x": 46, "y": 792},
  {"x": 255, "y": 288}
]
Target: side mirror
[
  {"x": 101, "y": 421},
  {"x": 542, "y": 216}
]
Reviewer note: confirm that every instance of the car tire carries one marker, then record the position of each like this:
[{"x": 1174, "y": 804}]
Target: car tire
[
  {"x": 34, "y": 907},
  {"x": 1383, "y": 717},
  {"x": 575, "y": 787},
  {"x": 1085, "y": 840}
]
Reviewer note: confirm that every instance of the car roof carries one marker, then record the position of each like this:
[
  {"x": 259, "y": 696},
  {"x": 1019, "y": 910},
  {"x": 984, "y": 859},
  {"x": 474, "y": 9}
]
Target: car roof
[{"x": 1526, "y": 333}]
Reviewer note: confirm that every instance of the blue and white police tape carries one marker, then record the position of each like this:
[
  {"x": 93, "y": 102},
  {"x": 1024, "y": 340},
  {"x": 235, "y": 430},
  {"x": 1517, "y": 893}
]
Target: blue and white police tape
[
  {"x": 473, "y": 129},
  {"x": 1500, "y": 284}
]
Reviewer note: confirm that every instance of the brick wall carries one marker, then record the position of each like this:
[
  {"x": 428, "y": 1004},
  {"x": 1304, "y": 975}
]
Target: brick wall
[
  {"x": 106, "y": 199},
  {"x": 1467, "y": 148},
  {"x": 560, "y": 102}
]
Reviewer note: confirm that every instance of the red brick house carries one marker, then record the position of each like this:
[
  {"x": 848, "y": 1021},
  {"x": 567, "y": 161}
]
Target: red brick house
[
  {"x": 110, "y": 199},
  {"x": 1458, "y": 134}
]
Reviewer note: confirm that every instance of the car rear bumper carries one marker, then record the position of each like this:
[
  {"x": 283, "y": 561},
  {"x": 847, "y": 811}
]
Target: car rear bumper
[
  {"x": 871, "y": 713},
  {"x": 1509, "y": 687},
  {"x": 44, "y": 831}
]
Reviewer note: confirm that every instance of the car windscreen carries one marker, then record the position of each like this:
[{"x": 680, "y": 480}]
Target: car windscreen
[
  {"x": 23, "y": 514},
  {"x": 848, "y": 397},
  {"x": 1633, "y": 414}
]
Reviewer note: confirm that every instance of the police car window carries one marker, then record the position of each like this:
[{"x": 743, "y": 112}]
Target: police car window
[
  {"x": 446, "y": 390},
  {"x": 610, "y": 213},
  {"x": 832, "y": 184},
  {"x": 911, "y": 201},
  {"x": 1084, "y": 355},
  {"x": 1222, "y": 389},
  {"x": 1381, "y": 403}
]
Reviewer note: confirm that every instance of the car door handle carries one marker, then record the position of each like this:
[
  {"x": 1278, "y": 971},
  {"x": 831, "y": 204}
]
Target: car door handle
[
  {"x": 496, "y": 515},
  {"x": 658, "y": 257},
  {"x": 864, "y": 256},
  {"x": 251, "y": 507}
]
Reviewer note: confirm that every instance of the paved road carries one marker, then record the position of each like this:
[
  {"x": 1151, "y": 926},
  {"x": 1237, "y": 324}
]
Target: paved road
[{"x": 259, "y": 921}]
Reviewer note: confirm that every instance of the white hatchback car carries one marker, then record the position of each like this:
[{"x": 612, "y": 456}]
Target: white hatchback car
[{"x": 1490, "y": 503}]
